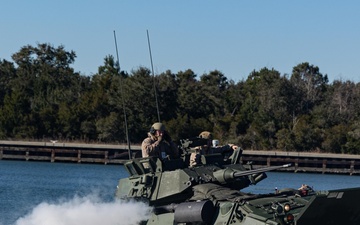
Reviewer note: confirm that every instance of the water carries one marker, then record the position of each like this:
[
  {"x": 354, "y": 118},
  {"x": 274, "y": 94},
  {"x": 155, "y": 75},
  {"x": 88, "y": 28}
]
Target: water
[
  {"x": 42, "y": 193},
  {"x": 317, "y": 181},
  {"x": 36, "y": 193}
]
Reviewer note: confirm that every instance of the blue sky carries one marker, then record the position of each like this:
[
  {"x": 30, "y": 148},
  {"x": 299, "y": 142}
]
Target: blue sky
[{"x": 233, "y": 36}]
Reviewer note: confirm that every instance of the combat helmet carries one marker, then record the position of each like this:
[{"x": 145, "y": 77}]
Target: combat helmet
[
  {"x": 206, "y": 135},
  {"x": 157, "y": 126}
]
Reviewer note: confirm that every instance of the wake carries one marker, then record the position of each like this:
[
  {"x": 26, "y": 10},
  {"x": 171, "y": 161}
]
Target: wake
[{"x": 87, "y": 210}]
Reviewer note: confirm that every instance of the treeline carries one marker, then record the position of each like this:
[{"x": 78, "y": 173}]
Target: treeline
[{"x": 42, "y": 98}]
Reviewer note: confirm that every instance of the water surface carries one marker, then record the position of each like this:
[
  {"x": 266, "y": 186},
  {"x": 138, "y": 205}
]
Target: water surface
[
  {"x": 26, "y": 184},
  {"x": 40, "y": 191}
]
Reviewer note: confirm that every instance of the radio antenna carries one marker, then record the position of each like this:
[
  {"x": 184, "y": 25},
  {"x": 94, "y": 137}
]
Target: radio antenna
[
  {"x": 152, "y": 69},
  {"x": 122, "y": 99}
]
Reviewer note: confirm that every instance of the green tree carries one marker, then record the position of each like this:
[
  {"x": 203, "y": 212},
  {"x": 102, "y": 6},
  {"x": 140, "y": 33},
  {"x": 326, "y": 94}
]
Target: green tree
[
  {"x": 266, "y": 107},
  {"x": 335, "y": 138},
  {"x": 352, "y": 144},
  {"x": 309, "y": 83},
  {"x": 7, "y": 73},
  {"x": 45, "y": 81},
  {"x": 105, "y": 100},
  {"x": 140, "y": 99},
  {"x": 167, "y": 95},
  {"x": 191, "y": 117}
]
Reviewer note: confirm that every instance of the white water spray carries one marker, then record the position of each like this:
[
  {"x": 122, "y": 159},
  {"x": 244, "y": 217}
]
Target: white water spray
[{"x": 87, "y": 210}]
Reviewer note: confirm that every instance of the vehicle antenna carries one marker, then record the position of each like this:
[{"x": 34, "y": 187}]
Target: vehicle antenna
[
  {"x": 122, "y": 99},
  {"x": 152, "y": 69}
]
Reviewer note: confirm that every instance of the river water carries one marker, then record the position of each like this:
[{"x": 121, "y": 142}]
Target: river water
[{"x": 43, "y": 193}]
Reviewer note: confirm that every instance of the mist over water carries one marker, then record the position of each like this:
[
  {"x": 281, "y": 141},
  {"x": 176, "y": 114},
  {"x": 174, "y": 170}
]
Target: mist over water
[
  {"x": 89, "y": 210},
  {"x": 62, "y": 193}
]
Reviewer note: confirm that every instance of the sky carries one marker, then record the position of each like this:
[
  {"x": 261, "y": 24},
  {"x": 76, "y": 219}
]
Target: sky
[{"x": 235, "y": 37}]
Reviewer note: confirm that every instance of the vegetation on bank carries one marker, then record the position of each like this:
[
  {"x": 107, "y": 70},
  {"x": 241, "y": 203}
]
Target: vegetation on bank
[{"x": 42, "y": 97}]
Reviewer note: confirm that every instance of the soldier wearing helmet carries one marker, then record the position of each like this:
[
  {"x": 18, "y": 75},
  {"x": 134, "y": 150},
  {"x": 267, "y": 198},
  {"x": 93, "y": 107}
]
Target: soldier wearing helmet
[
  {"x": 159, "y": 143},
  {"x": 195, "y": 157}
]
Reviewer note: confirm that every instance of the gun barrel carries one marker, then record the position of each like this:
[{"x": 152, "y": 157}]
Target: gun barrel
[
  {"x": 260, "y": 170},
  {"x": 228, "y": 174}
]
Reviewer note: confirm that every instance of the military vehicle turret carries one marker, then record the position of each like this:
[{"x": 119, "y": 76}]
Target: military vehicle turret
[{"x": 210, "y": 193}]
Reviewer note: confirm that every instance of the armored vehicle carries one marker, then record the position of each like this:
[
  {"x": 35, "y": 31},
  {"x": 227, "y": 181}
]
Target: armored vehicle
[{"x": 210, "y": 193}]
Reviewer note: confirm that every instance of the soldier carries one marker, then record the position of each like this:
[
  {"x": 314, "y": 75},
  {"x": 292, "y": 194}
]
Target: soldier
[
  {"x": 195, "y": 157},
  {"x": 159, "y": 143},
  {"x": 305, "y": 189}
]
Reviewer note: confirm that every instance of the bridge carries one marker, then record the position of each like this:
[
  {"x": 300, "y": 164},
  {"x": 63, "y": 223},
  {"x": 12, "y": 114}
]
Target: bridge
[{"x": 55, "y": 151}]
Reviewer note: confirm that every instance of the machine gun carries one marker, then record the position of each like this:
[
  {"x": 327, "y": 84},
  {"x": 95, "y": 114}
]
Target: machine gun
[
  {"x": 187, "y": 145},
  {"x": 195, "y": 144}
]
